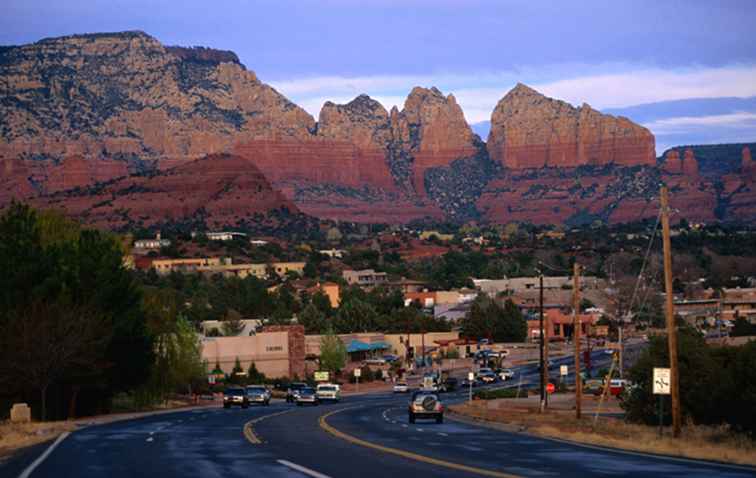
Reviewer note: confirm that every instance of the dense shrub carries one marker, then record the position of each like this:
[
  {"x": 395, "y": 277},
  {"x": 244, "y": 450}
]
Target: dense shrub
[{"x": 717, "y": 384}]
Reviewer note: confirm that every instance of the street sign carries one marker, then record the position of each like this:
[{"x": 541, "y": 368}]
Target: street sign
[
  {"x": 470, "y": 376},
  {"x": 357, "y": 372},
  {"x": 550, "y": 388},
  {"x": 563, "y": 370},
  {"x": 321, "y": 376},
  {"x": 662, "y": 381}
]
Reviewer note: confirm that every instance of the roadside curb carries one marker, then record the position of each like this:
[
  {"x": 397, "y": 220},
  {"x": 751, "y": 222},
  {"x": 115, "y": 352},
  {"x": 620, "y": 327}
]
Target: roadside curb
[{"x": 524, "y": 431}]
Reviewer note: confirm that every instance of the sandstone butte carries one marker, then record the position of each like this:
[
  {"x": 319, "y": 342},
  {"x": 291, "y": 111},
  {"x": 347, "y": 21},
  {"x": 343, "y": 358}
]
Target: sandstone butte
[
  {"x": 531, "y": 131},
  {"x": 218, "y": 189},
  {"x": 95, "y": 109}
]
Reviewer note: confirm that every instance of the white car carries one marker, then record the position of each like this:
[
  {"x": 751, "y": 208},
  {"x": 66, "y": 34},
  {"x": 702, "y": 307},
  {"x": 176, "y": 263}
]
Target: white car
[
  {"x": 506, "y": 374},
  {"x": 401, "y": 387},
  {"x": 328, "y": 391}
]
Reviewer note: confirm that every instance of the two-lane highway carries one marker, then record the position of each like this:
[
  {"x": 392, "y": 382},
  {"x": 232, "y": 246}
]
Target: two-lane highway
[{"x": 366, "y": 436}]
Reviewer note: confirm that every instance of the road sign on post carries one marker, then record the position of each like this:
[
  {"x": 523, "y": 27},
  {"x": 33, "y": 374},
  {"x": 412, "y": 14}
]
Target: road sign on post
[
  {"x": 662, "y": 386},
  {"x": 550, "y": 388},
  {"x": 321, "y": 376},
  {"x": 662, "y": 381},
  {"x": 563, "y": 370},
  {"x": 470, "y": 378},
  {"x": 357, "y": 373}
]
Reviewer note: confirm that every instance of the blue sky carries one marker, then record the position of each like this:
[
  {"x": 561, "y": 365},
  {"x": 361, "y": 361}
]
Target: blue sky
[{"x": 615, "y": 54}]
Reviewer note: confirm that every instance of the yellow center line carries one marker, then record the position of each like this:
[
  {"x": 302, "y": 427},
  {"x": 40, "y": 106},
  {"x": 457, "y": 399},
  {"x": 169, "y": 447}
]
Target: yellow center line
[
  {"x": 403, "y": 453},
  {"x": 249, "y": 432}
]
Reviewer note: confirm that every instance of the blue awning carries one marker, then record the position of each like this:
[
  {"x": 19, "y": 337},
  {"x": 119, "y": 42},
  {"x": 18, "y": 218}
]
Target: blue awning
[{"x": 357, "y": 346}]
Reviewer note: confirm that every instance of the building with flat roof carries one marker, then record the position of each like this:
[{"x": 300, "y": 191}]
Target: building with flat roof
[
  {"x": 188, "y": 265},
  {"x": 155, "y": 243},
  {"x": 277, "y": 351},
  {"x": 365, "y": 278}
]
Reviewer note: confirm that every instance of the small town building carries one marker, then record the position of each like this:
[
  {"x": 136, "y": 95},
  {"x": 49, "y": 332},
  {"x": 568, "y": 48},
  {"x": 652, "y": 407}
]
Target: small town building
[
  {"x": 365, "y": 278},
  {"x": 333, "y": 253},
  {"x": 277, "y": 351},
  {"x": 155, "y": 243}
]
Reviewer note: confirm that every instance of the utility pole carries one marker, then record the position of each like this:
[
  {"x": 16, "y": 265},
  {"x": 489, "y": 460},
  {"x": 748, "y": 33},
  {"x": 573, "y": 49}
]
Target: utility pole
[
  {"x": 546, "y": 334},
  {"x": 670, "y": 310},
  {"x": 543, "y": 375},
  {"x": 576, "y": 337}
]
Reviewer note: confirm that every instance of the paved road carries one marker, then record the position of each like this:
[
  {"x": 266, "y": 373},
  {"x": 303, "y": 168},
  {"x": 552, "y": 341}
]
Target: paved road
[{"x": 211, "y": 443}]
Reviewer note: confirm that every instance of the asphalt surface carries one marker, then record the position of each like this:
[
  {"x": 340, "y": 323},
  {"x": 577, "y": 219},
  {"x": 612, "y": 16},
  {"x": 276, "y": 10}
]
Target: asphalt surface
[{"x": 212, "y": 443}]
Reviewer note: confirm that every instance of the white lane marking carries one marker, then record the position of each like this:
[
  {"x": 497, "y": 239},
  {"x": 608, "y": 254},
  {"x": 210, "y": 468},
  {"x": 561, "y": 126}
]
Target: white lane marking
[
  {"x": 28, "y": 471},
  {"x": 404, "y": 425},
  {"x": 419, "y": 429},
  {"x": 442, "y": 434},
  {"x": 150, "y": 439},
  {"x": 302, "y": 469}
]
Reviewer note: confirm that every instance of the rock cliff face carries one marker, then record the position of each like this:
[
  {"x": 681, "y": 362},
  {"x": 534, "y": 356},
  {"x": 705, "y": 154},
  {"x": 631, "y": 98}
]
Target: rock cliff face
[
  {"x": 113, "y": 128},
  {"x": 124, "y": 97},
  {"x": 530, "y": 131},
  {"x": 218, "y": 190}
]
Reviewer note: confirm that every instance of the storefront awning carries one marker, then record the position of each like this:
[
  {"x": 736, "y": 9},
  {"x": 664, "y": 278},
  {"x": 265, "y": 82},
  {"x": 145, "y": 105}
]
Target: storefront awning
[{"x": 357, "y": 346}]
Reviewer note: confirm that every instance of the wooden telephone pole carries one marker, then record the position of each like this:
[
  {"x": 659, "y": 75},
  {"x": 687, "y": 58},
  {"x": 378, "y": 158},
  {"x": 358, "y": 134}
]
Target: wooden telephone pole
[
  {"x": 670, "y": 310},
  {"x": 576, "y": 337}
]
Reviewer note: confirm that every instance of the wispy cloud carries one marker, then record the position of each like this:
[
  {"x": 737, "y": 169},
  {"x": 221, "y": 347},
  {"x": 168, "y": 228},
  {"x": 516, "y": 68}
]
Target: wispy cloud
[
  {"x": 602, "y": 86},
  {"x": 685, "y": 124}
]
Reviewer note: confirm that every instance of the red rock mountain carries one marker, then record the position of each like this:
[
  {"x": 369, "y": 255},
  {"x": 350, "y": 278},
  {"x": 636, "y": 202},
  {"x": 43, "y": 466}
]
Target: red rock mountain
[
  {"x": 529, "y": 130},
  {"x": 219, "y": 190},
  {"x": 113, "y": 127}
]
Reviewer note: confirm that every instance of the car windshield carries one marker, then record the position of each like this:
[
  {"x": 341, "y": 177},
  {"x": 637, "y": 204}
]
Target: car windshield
[
  {"x": 307, "y": 391},
  {"x": 298, "y": 385},
  {"x": 327, "y": 388},
  {"x": 255, "y": 390},
  {"x": 401, "y": 384},
  {"x": 419, "y": 397},
  {"x": 234, "y": 392}
]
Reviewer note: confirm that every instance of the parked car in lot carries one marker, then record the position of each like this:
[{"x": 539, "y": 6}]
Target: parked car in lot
[
  {"x": 466, "y": 383},
  {"x": 505, "y": 373},
  {"x": 235, "y": 396},
  {"x": 328, "y": 391},
  {"x": 307, "y": 395},
  {"x": 425, "y": 405},
  {"x": 293, "y": 391},
  {"x": 258, "y": 394},
  {"x": 488, "y": 377},
  {"x": 401, "y": 387}
]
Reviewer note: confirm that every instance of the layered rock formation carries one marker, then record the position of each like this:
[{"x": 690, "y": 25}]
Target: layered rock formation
[
  {"x": 89, "y": 108},
  {"x": 124, "y": 97},
  {"x": 80, "y": 114},
  {"x": 218, "y": 190},
  {"x": 748, "y": 167},
  {"x": 529, "y": 130}
]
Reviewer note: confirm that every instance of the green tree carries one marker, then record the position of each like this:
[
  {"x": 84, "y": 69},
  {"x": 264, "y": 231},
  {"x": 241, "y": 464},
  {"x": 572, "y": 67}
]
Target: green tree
[
  {"x": 48, "y": 259},
  {"x": 356, "y": 316},
  {"x": 742, "y": 328},
  {"x": 232, "y": 323},
  {"x": 488, "y": 319},
  {"x": 333, "y": 353},
  {"x": 312, "y": 319}
]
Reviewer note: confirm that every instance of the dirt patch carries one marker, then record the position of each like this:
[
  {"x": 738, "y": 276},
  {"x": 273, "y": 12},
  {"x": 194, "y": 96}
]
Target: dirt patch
[
  {"x": 697, "y": 442},
  {"x": 20, "y": 435}
]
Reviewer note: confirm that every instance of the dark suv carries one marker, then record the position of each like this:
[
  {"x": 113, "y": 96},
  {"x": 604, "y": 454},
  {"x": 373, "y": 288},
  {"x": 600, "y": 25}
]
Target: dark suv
[
  {"x": 293, "y": 391},
  {"x": 235, "y": 396}
]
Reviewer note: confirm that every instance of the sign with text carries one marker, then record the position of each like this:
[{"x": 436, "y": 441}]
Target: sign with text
[
  {"x": 357, "y": 372},
  {"x": 662, "y": 381},
  {"x": 321, "y": 376},
  {"x": 563, "y": 370}
]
